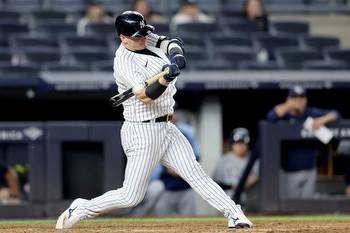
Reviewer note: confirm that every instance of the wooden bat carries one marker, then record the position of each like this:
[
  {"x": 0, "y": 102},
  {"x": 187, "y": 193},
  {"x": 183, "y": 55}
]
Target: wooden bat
[{"x": 117, "y": 100}]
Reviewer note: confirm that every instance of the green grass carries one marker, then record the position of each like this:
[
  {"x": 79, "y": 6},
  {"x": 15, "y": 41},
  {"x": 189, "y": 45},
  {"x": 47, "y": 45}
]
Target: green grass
[{"x": 199, "y": 219}]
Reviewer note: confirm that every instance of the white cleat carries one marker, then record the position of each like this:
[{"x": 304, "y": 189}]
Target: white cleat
[
  {"x": 240, "y": 221},
  {"x": 71, "y": 216}
]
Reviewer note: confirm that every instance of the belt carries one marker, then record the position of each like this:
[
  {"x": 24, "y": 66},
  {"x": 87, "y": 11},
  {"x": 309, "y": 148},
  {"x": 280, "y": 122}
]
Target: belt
[{"x": 167, "y": 117}]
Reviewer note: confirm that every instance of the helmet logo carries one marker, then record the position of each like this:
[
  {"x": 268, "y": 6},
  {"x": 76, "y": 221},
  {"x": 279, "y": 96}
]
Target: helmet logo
[{"x": 142, "y": 24}]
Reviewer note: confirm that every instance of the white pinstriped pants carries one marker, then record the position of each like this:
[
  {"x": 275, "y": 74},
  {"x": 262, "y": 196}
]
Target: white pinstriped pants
[{"x": 145, "y": 144}]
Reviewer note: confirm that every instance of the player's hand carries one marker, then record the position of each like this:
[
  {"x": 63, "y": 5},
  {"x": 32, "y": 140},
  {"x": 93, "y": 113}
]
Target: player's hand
[
  {"x": 179, "y": 60},
  {"x": 173, "y": 72}
]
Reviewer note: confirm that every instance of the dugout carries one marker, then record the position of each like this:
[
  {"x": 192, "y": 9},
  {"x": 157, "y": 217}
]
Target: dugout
[
  {"x": 84, "y": 159},
  {"x": 272, "y": 136},
  {"x": 22, "y": 144}
]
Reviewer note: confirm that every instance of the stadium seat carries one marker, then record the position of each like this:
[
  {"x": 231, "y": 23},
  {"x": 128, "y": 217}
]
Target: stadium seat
[
  {"x": 324, "y": 65},
  {"x": 342, "y": 55},
  {"x": 253, "y": 65},
  {"x": 8, "y": 29},
  {"x": 40, "y": 57},
  {"x": 87, "y": 57},
  {"x": 293, "y": 59},
  {"x": 24, "y": 6},
  {"x": 161, "y": 28},
  {"x": 71, "y": 43},
  {"x": 320, "y": 42},
  {"x": 24, "y": 43},
  {"x": 193, "y": 41},
  {"x": 210, "y": 6},
  {"x": 201, "y": 29},
  {"x": 5, "y": 57},
  {"x": 48, "y": 16},
  {"x": 105, "y": 30},
  {"x": 195, "y": 53},
  {"x": 216, "y": 64},
  {"x": 102, "y": 65},
  {"x": 270, "y": 43},
  {"x": 227, "y": 40},
  {"x": 9, "y": 16},
  {"x": 234, "y": 55},
  {"x": 242, "y": 26},
  {"x": 291, "y": 28},
  {"x": 59, "y": 67},
  {"x": 56, "y": 30},
  {"x": 69, "y": 6}
]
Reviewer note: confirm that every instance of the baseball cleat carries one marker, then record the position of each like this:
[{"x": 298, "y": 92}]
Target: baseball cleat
[
  {"x": 72, "y": 215},
  {"x": 239, "y": 221}
]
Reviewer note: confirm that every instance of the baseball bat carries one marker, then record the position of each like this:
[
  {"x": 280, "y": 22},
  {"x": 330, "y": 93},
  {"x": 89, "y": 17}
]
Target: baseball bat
[{"x": 118, "y": 99}]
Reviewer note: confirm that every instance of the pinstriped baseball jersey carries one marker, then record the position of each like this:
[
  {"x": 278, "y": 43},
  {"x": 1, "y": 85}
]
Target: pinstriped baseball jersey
[{"x": 132, "y": 68}]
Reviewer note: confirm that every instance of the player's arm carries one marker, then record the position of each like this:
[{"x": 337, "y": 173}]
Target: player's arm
[
  {"x": 156, "y": 89},
  {"x": 174, "y": 48}
]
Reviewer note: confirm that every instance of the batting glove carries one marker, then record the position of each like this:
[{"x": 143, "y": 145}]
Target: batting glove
[
  {"x": 173, "y": 72},
  {"x": 179, "y": 60}
]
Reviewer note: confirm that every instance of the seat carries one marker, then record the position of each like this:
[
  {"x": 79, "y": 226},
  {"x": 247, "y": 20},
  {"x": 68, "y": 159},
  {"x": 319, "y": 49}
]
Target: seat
[
  {"x": 342, "y": 55},
  {"x": 103, "y": 65},
  {"x": 324, "y": 65},
  {"x": 20, "y": 71},
  {"x": 242, "y": 27},
  {"x": 320, "y": 42},
  {"x": 211, "y": 6},
  {"x": 270, "y": 43},
  {"x": 41, "y": 56},
  {"x": 7, "y": 16},
  {"x": 216, "y": 64},
  {"x": 291, "y": 28},
  {"x": 234, "y": 55},
  {"x": 161, "y": 28},
  {"x": 69, "y": 6},
  {"x": 59, "y": 67},
  {"x": 87, "y": 57},
  {"x": 24, "y": 43},
  {"x": 193, "y": 41},
  {"x": 101, "y": 30},
  {"x": 227, "y": 40},
  {"x": 294, "y": 59},
  {"x": 56, "y": 30},
  {"x": 195, "y": 53},
  {"x": 201, "y": 29},
  {"x": 8, "y": 29},
  {"x": 48, "y": 16},
  {"x": 5, "y": 57},
  {"x": 23, "y": 6},
  {"x": 253, "y": 65},
  {"x": 76, "y": 43}
]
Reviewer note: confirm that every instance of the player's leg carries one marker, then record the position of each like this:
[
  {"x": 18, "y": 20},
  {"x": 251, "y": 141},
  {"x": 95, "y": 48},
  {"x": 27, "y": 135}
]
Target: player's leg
[
  {"x": 141, "y": 144},
  {"x": 186, "y": 203},
  {"x": 308, "y": 190},
  {"x": 180, "y": 157},
  {"x": 293, "y": 184}
]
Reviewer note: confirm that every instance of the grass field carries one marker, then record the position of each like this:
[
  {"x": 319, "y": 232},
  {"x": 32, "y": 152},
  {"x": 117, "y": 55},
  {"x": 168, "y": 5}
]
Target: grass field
[{"x": 267, "y": 224}]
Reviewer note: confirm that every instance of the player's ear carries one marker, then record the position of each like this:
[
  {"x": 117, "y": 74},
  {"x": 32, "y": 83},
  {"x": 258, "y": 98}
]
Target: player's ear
[{"x": 122, "y": 38}]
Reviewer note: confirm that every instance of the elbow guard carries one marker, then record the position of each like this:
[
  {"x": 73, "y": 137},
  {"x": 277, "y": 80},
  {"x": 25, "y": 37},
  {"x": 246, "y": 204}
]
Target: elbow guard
[
  {"x": 171, "y": 46},
  {"x": 154, "y": 90}
]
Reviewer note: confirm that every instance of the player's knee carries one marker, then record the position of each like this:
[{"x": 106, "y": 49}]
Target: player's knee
[{"x": 134, "y": 200}]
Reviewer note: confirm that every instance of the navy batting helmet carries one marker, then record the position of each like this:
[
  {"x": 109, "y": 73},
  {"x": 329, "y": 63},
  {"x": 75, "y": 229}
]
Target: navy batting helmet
[
  {"x": 133, "y": 24},
  {"x": 240, "y": 135}
]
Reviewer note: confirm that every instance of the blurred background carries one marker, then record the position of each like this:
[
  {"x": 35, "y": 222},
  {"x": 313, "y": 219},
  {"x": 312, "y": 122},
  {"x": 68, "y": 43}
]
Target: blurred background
[{"x": 264, "y": 66}]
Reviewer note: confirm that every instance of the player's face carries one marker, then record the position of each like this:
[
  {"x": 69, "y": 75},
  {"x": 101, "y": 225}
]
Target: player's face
[
  {"x": 240, "y": 149},
  {"x": 134, "y": 43}
]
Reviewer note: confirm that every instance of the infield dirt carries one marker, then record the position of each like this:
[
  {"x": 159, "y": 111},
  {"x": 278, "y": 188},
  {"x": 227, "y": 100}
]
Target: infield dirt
[{"x": 185, "y": 227}]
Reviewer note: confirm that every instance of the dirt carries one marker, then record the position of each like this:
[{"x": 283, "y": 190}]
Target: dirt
[{"x": 186, "y": 227}]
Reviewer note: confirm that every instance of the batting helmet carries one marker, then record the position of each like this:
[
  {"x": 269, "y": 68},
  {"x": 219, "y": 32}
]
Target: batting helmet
[
  {"x": 240, "y": 135},
  {"x": 133, "y": 24}
]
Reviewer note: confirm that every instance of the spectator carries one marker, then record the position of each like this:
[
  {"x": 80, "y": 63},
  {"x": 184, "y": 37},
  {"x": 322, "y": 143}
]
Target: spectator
[
  {"x": 144, "y": 7},
  {"x": 9, "y": 185},
  {"x": 189, "y": 12},
  {"x": 254, "y": 11},
  {"x": 231, "y": 165},
  {"x": 178, "y": 197},
  {"x": 299, "y": 160},
  {"x": 95, "y": 13}
]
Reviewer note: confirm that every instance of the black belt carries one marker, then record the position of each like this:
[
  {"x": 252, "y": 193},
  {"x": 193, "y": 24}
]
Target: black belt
[{"x": 167, "y": 117}]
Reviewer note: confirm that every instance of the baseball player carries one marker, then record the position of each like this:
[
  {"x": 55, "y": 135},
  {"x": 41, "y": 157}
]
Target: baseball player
[{"x": 147, "y": 135}]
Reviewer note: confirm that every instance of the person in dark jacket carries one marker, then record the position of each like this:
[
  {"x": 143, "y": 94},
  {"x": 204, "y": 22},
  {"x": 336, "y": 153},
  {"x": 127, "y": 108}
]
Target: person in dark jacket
[{"x": 299, "y": 159}]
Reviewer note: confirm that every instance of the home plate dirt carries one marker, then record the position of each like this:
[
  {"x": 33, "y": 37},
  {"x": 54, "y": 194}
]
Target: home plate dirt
[{"x": 183, "y": 227}]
